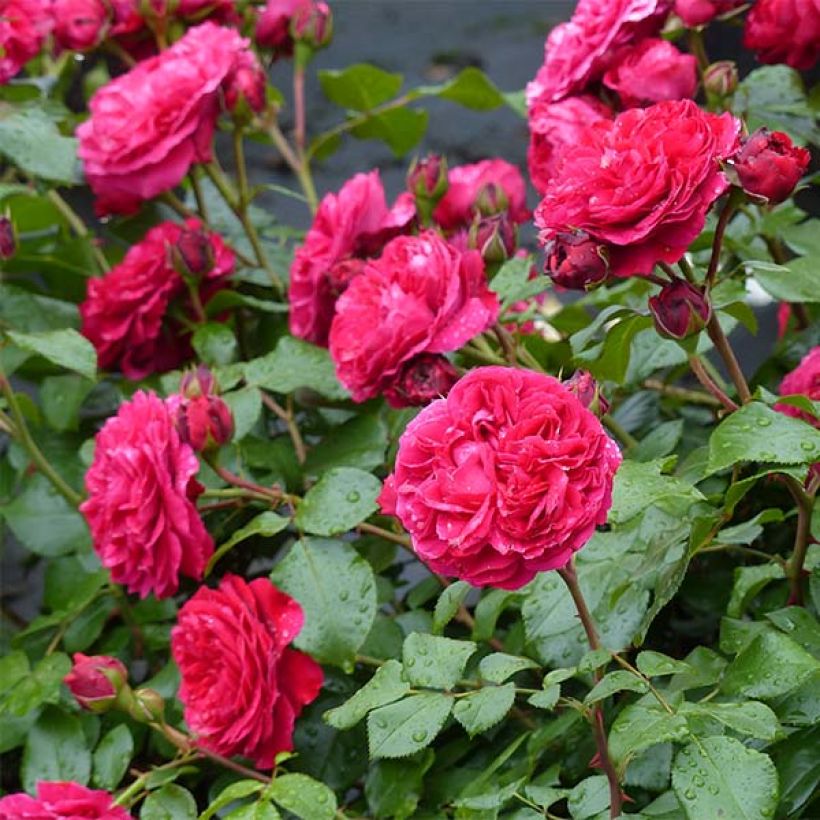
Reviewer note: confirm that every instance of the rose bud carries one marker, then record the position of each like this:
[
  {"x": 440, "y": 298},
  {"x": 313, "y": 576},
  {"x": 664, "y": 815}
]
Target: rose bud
[
  {"x": 424, "y": 378},
  {"x": 494, "y": 237},
  {"x": 680, "y": 310},
  {"x": 246, "y": 84},
  {"x": 96, "y": 681},
  {"x": 427, "y": 179},
  {"x": 576, "y": 261},
  {"x": 769, "y": 165},
  {"x": 202, "y": 419},
  {"x": 79, "y": 25},
  {"x": 588, "y": 392},
  {"x": 192, "y": 255},
  {"x": 8, "y": 238},
  {"x": 721, "y": 78},
  {"x": 491, "y": 199},
  {"x": 312, "y": 24},
  {"x": 147, "y": 706}
]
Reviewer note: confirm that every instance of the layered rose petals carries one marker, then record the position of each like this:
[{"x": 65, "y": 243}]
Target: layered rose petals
[
  {"x": 804, "y": 380},
  {"x": 242, "y": 685},
  {"x": 140, "y": 509},
  {"x": 23, "y": 26},
  {"x": 784, "y": 31},
  {"x": 61, "y": 800}
]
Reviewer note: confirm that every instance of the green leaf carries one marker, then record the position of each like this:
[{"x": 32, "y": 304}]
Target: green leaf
[
  {"x": 266, "y": 524},
  {"x": 65, "y": 348},
  {"x": 758, "y": 433},
  {"x": 214, "y": 343},
  {"x": 589, "y": 797},
  {"x": 749, "y": 581},
  {"x": 795, "y": 282},
  {"x": 434, "y": 662},
  {"x": 61, "y": 398},
  {"x": 749, "y": 530},
  {"x": 336, "y": 590},
  {"x": 400, "y": 128},
  {"x": 55, "y": 750},
  {"x": 660, "y": 442},
  {"x": 720, "y": 777},
  {"x": 295, "y": 363},
  {"x": 111, "y": 758},
  {"x": 342, "y": 498},
  {"x": 260, "y": 810},
  {"x": 546, "y": 699},
  {"x": 451, "y": 598},
  {"x": 499, "y": 666},
  {"x": 43, "y": 521},
  {"x": 752, "y": 719},
  {"x": 480, "y": 710},
  {"x": 393, "y": 787},
  {"x": 471, "y": 88},
  {"x": 618, "y": 681},
  {"x": 30, "y": 140},
  {"x": 236, "y": 791},
  {"x": 610, "y": 359},
  {"x": 406, "y": 727},
  {"x": 655, "y": 664},
  {"x": 171, "y": 802},
  {"x": 800, "y": 625},
  {"x": 22, "y": 690},
  {"x": 359, "y": 442},
  {"x": 770, "y": 665},
  {"x": 27, "y": 311},
  {"x": 303, "y": 796},
  {"x": 642, "y": 725},
  {"x": 798, "y": 767},
  {"x": 361, "y": 86},
  {"x": 512, "y": 282},
  {"x": 245, "y": 406},
  {"x": 386, "y": 686}
]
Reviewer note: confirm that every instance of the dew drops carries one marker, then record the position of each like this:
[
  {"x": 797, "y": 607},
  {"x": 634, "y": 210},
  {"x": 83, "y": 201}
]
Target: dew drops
[
  {"x": 420, "y": 736},
  {"x": 689, "y": 794},
  {"x": 764, "y": 422},
  {"x": 353, "y": 496}
]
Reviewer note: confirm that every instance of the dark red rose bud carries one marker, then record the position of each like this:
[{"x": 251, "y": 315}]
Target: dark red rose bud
[
  {"x": 202, "y": 419},
  {"x": 769, "y": 165},
  {"x": 491, "y": 199},
  {"x": 8, "y": 238},
  {"x": 424, "y": 378},
  {"x": 576, "y": 261},
  {"x": 494, "y": 237},
  {"x": 680, "y": 310},
  {"x": 721, "y": 78},
  {"x": 588, "y": 391},
  {"x": 246, "y": 84},
  {"x": 193, "y": 254},
  {"x": 312, "y": 24},
  {"x": 96, "y": 681},
  {"x": 427, "y": 179}
]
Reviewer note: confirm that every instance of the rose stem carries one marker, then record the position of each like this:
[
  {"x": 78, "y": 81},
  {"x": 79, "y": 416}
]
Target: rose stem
[
  {"x": 627, "y": 439},
  {"x": 299, "y": 107},
  {"x": 23, "y": 435},
  {"x": 682, "y": 393},
  {"x": 723, "y": 347},
  {"x": 201, "y": 206},
  {"x": 571, "y": 580},
  {"x": 706, "y": 380},
  {"x": 300, "y": 167},
  {"x": 293, "y": 428},
  {"x": 794, "y": 567},
  {"x": 720, "y": 231},
  {"x": 79, "y": 227}
]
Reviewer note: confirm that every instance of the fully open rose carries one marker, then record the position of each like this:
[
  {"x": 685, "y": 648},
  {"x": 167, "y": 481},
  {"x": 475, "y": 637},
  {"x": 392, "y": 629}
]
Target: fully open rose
[
  {"x": 784, "y": 31},
  {"x": 61, "y": 801},
  {"x": 23, "y": 26},
  {"x": 242, "y": 685},
  {"x": 507, "y": 476},
  {"x": 642, "y": 183}
]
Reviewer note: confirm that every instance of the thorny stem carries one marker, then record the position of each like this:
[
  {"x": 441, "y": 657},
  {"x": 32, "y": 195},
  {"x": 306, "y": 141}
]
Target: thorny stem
[
  {"x": 683, "y": 393},
  {"x": 570, "y": 578},
  {"x": 706, "y": 380},
  {"x": 794, "y": 566},
  {"x": 255, "y": 490},
  {"x": 723, "y": 347}
]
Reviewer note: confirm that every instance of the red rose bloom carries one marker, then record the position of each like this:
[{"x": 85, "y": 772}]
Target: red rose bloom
[
  {"x": 784, "y": 31},
  {"x": 348, "y": 227},
  {"x": 141, "y": 500},
  {"x": 147, "y": 127},
  {"x": 641, "y": 184},
  {"x": 804, "y": 380},
  {"x": 469, "y": 184},
  {"x": 79, "y": 24},
  {"x": 506, "y": 477},
  {"x": 580, "y": 51},
  {"x": 124, "y": 313},
  {"x": 242, "y": 686},
  {"x": 420, "y": 296},
  {"x": 554, "y": 125},
  {"x": 652, "y": 71},
  {"x": 697, "y": 12},
  {"x": 769, "y": 165},
  {"x": 23, "y": 26},
  {"x": 58, "y": 800}
]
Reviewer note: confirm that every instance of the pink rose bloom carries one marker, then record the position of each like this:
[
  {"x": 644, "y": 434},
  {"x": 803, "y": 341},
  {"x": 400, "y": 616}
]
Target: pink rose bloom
[
  {"x": 804, "y": 380},
  {"x": 125, "y": 314},
  {"x": 697, "y": 12},
  {"x": 273, "y": 26},
  {"x": 79, "y": 25},
  {"x": 641, "y": 184},
  {"x": 653, "y": 71},
  {"x": 349, "y": 227},
  {"x": 149, "y": 126},
  {"x": 580, "y": 51},
  {"x": 482, "y": 187},
  {"x": 141, "y": 500},
  {"x": 57, "y": 799},
  {"x": 222, "y": 11},
  {"x": 784, "y": 31},
  {"x": 554, "y": 125},
  {"x": 506, "y": 477},
  {"x": 23, "y": 26},
  {"x": 420, "y": 296},
  {"x": 242, "y": 685}
]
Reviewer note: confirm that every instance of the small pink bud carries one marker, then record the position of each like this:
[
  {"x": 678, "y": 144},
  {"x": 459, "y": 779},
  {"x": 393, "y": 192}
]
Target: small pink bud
[
  {"x": 202, "y": 419},
  {"x": 680, "y": 310},
  {"x": 769, "y": 165},
  {"x": 424, "y": 378},
  {"x": 246, "y": 83},
  {"x": 721, "y": 78},
  {"x": 494, "y": 237},
  {"x": 588, "y": 391},
  {"x": 312, "y": 24},
  {"x": 8, "y": 238},
  {"x": 576, "y": 261},
  {"x": 491, "y": 199},
  {"x": 96, "y": 681},
  {"x": 427, "y": 179}
]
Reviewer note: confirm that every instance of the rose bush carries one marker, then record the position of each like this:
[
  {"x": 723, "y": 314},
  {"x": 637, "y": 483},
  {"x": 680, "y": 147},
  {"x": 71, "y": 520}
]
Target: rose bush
[{"x": 489, "y": 494}]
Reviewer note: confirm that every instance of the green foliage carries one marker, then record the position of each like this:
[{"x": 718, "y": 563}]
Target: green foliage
[{"x": 342, "y": 498}]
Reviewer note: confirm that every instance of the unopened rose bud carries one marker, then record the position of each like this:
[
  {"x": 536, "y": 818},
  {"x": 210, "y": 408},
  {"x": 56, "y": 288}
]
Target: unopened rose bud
[
  {"x": 427, "y": 179},
  {"x": 96, "y": 681},
  {"x": 8, "y": 238},
  {"x": 721, "y": 78},
  {"x": 246, "y": 84},
  {"x": 424, "y": 378},
  {"x": 147, "y": 706},
  {"x": 680, "y": 310},
  {"x": 202, "y": 419},
  {"x": 576, "y": 261},
  {"x": 312, "y": 24},
  {"x": 494, "y": 237},
  {"x": 198, "y": 382},
  {"x": 491, "y": 200},
  {"x": 588, "y": 392},
  {"x": 770, "y": 165},
  {"x": 273, "y": 27},
  {"x": 192, "y": 254}
]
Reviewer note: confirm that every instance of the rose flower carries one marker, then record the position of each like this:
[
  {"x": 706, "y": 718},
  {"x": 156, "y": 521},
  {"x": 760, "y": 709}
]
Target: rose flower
[
  {"x": 61, "y": 800},
  {"x": 23, "y": 26},
  {"x": 804, "y": 380},
  {"x": 784, "y": 31}
]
